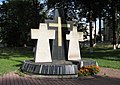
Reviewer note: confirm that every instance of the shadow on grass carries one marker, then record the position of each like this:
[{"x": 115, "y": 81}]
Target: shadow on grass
[
  {"x": 12, "y": 58},
  {"x": 7, "y": 53},
  {"x": 102, "y": 53}
]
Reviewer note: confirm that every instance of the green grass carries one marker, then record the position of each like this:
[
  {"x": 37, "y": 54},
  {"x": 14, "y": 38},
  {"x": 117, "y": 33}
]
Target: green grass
[
  {"x": 104, "y": 55},
  {"x": 11, "y": 59},
  {"x": 108, "y": 63}
]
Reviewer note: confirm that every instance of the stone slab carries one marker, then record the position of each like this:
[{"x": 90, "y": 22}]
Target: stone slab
[
  {"x": 43, "y": 35},
  {"x": 60, "y": 26},
  {"x": 85, "y": 62},
  {"x": 74, "y": 49}
]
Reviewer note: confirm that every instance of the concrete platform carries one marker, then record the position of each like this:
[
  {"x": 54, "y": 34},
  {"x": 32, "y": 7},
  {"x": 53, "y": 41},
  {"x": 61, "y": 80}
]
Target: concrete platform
[
  {"x": 85, "y": 62},
  {"x": 56, "y": 68}
]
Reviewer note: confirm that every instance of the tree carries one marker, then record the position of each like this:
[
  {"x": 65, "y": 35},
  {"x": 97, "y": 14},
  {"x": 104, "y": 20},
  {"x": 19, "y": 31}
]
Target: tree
[{"x": 18, "y": 17}]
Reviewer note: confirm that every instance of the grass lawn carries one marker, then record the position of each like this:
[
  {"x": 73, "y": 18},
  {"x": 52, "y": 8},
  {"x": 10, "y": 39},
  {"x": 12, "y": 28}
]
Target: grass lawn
[
  {"x": 12, "y": 58},
  {"x": 104, "y": 55}
]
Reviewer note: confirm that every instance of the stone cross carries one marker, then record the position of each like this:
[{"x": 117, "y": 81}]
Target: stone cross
[
  {"x": 60, "y": 27},
  {"x": 43, "y": 48},
  {"x": 74, "y": 48}
]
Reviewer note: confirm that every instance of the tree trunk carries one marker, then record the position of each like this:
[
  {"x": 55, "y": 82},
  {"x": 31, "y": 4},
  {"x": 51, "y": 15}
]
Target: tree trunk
[
  {"x": 91, "y": 44},
  {"x": 35, "y": 4},
  {"x": 95, "y": 34},
  {"x": 100, "y": 27},
  {"x": 90, "y": 28},
  {"x": 113, "y": 21}
]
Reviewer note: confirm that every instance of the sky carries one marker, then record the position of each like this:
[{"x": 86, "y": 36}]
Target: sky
[{"x": 1, "y": 1}]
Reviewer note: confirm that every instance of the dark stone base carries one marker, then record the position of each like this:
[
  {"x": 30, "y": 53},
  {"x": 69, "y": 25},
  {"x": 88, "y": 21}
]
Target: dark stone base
[
  {"x": 88, "y": 63},
  {"x": 56, "y": 67},
  {"x": 85, "y": 62}
]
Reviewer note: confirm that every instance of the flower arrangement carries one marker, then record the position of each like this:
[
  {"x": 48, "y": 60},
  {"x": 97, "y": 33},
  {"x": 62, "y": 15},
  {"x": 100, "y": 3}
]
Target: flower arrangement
[{"x": 88, "y": 70}]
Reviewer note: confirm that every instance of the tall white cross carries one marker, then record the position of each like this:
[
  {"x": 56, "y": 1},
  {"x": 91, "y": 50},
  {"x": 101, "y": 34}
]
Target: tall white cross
[
  {"x": 43, "y": 48},
  {"x": 59, "y": 25},
  {"x": 74, "y": 48}
]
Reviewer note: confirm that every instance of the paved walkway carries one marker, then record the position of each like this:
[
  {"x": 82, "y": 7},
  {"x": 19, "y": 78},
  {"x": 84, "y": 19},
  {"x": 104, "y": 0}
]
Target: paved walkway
[{"x": 14, "y": 79}]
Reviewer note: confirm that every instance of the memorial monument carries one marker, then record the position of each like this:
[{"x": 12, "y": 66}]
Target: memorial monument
[
  {"x": 57, "y": 48},
  {"x": 51, "y": 57}
]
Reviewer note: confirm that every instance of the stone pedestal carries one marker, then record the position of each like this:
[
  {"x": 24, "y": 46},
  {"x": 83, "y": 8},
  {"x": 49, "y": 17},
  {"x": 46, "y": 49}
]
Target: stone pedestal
[
  {"x": 57, "y": 68},
  {"x": 61, "y": 67},
  {"x": 85, "y": 62}
]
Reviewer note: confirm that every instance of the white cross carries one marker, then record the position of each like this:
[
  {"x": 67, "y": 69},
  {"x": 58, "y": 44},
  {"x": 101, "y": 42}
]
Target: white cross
[
  {"x": 43, "y": 48},
  {"x": 59, "y": 25},
  {"x": 74, "y": 50}
]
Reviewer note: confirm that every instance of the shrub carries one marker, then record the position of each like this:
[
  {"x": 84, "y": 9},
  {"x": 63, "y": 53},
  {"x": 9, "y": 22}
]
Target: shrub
[{"x": 88, "y": 70}]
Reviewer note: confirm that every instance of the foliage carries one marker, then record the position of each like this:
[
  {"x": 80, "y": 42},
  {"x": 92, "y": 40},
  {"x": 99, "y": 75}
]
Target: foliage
[
  {"x": 17, "y": 18},
  {"x": 88, "y": 70},
  {"x": 108, "y": 10}
]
